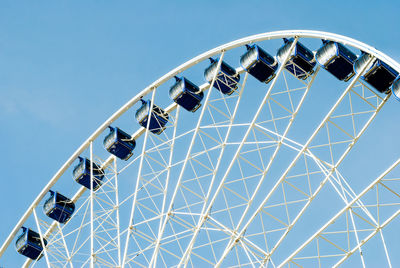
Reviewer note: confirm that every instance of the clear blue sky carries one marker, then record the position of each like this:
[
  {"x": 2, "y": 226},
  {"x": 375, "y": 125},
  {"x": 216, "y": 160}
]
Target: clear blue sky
[{"x": 66, "y": 66}]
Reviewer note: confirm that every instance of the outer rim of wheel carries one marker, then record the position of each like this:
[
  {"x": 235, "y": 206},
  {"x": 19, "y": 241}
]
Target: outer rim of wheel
[{"x": 217, "y": 50}]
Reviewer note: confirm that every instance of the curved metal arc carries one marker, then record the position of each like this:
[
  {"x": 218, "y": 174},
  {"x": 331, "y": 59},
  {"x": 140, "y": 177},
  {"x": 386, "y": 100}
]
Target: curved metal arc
[
  {"x": 51, "y": 228},
  {"x": 251, "y": 39}
]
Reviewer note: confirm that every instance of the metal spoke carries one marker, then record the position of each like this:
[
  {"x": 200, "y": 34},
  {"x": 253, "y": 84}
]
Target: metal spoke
[
  {"x": 128, "y": 233},
  {"x": 170, "y": 207},
  {"x": 348, "y": 208},
  {"x": 231, "y": 183},
  {"x": 206, "y": 209},
  {"x": 283, "y": 177}
]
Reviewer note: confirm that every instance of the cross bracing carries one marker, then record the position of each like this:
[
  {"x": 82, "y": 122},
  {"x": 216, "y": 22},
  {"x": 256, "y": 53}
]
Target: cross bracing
[{"x": 229, "y": 184}]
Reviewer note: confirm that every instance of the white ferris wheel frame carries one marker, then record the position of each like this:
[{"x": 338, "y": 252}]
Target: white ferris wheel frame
[{"x": 151, "y": 88}]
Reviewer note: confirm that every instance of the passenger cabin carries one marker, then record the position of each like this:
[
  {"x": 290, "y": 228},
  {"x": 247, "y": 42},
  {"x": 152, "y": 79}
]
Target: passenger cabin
[
  {"x": 301, "y": 60},
  {"x": 377, "y": 73},
  {"x": 259, "y": 63},
  {"x": 119, "y": 143},
  {"x": 186, "y": 94},
  {"x": 58, "y": 207},
  {"x": 227, "y": 77},
  {"x": 336, "y": 59},
  {"x": 29, "y": 244},
  {"x": 81, "y": 173},
  {"x": 158, "y": 117},
  {"x": 396, "y": 88}
]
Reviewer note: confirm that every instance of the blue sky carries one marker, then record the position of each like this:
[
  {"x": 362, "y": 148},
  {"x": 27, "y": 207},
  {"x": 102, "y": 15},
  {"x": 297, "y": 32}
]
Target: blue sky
[{"x": 66, "y": 66}]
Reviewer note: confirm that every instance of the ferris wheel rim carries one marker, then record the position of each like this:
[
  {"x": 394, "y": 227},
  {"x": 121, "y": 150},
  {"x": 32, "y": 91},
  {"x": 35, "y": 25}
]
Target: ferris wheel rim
[{"x": 188, "y": 64}]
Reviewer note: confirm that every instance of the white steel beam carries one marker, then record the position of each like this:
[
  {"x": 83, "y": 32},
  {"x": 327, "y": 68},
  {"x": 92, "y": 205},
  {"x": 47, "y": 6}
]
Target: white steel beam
[
  {"x": 385, "y": 248},
  {"x": 129, "y": 230},
  {"x": 207, "y": 207},
  {"x": 255, "y": 38},
  {"x": 233, "y": 240},
  {"x": 65, "y": 245},
  {"x": 276, "y": 151},
  {"x": 380, "y": 227},
  {"x": 203, "y": 214},
  {"x": 170, "y": 207},
  {"x": 117, "y": 211},
  {"x": 346, "y": 208},
  {"x": 153, "y": 261},
  {"x": 324, "y": 180},
  {"x": 41, "y": 237},
  {"x": 91, "y": 207}
]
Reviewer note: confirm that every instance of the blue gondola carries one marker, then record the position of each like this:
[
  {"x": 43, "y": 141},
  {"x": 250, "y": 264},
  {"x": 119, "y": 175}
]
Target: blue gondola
[
  {"x": 29, "y": 244},
  {"x": 81, "y": 173},
  {"x": 186, "y": 94},
  {"x": 227, "y": 77},
  {"x": 119, "y": 143},
  {"x": 301, "y": 61},
  {"x": 158, "y": 117},
  {"x": 378, "y": 74},
  {"x": 58, "y": 207},
  {"x": 396, "y": 88},
  {"x": 259, "y": 63},
  {"x": 336, "y": 59}
]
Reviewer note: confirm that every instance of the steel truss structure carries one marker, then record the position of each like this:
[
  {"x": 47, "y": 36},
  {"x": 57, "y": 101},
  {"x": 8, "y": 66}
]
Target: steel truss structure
[{"x": 234, "y": 183}]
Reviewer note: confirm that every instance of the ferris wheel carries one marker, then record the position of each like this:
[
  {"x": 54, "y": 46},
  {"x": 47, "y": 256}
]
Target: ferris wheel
[{"x": 251, "y": 154}]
